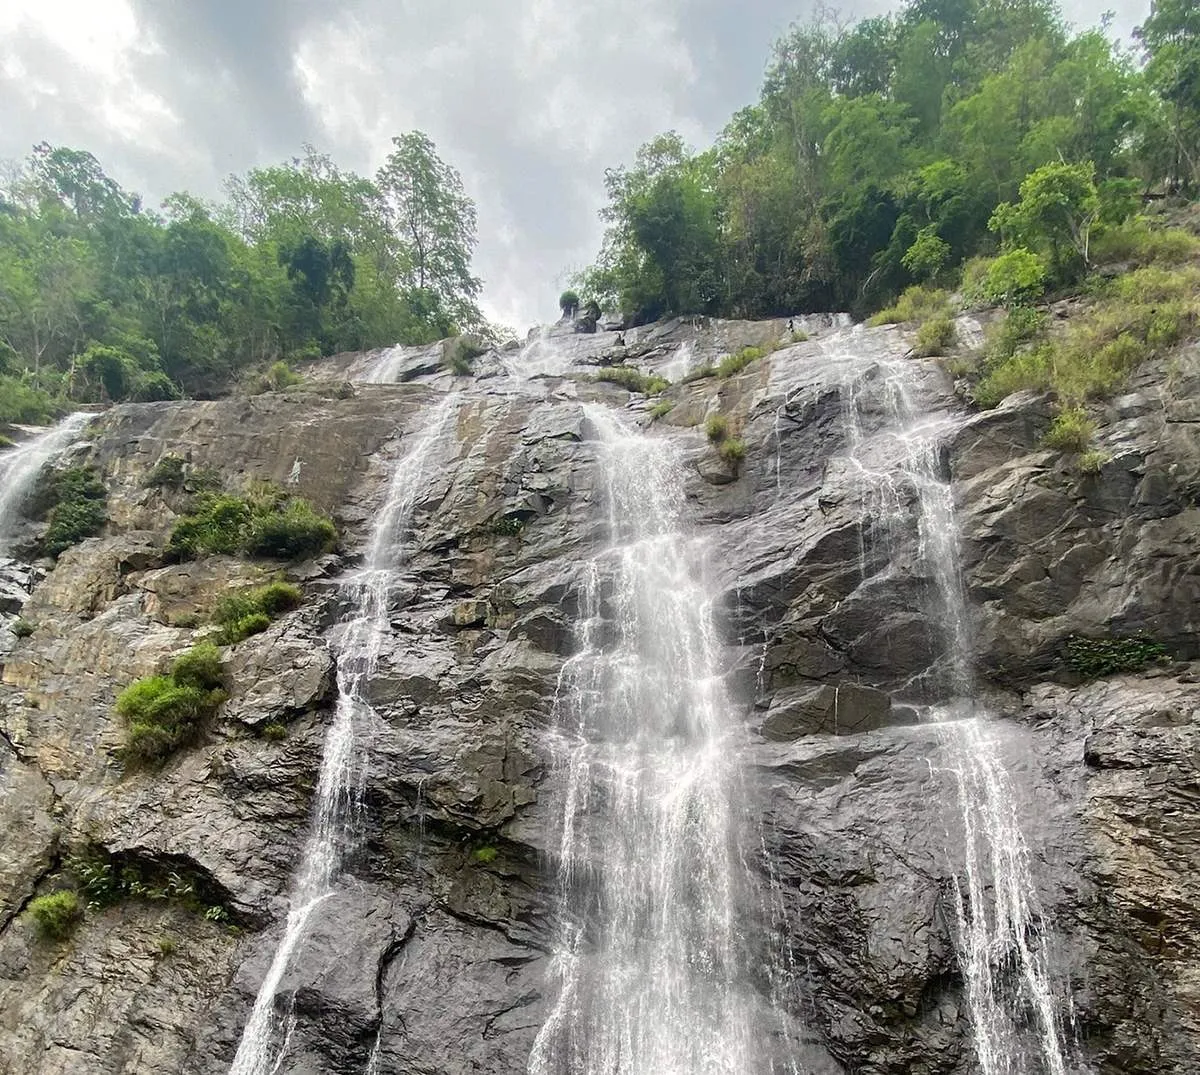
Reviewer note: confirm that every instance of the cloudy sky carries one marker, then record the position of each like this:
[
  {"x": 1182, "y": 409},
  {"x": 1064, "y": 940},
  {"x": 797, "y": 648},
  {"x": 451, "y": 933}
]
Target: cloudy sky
[{"x": 530, "y": 100}]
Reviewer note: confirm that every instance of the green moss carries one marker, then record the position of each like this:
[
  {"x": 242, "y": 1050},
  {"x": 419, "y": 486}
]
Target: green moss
[
  {"x": 167, "y": 473},
  {"x": 6, "y": 442},
  {"x": 1092, "y": 658},
  {"x": 56, "y": 915},
  {"x": 274, "y": 732},
  {"x": 22, "y": 628},
  {"x": 199, "y": 667},
  {"x": 484, "y": 855},
  {"x": 662, "y": 409}
]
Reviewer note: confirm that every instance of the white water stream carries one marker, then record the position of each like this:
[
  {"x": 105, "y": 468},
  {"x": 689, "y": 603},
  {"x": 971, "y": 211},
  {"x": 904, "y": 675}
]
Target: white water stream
[
  {"x": 263, "y": 1047},
  {"x": 646, "y": 973},
  {"x": 20, "y": 467},
  {"x": 1001, "y": 932}
]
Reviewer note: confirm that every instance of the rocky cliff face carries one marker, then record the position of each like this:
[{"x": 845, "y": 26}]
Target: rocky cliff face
[{"x": 433, "y": 954}]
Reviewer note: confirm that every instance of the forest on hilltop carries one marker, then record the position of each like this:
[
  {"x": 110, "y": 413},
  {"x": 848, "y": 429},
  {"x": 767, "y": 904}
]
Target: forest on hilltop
[
  {"x": 886, "y": 153},
  {"x": 103, "y": 300}
]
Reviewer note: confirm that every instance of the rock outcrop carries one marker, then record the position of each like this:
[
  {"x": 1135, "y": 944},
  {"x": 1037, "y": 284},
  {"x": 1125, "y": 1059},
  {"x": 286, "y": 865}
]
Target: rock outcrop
[{"x": 433, "y": 955}]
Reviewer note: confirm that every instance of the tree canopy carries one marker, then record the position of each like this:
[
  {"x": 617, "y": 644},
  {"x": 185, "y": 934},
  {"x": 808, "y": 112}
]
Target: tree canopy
[
  {"x": 102, "y": 299},
  {"x": 887, "y": 152}
]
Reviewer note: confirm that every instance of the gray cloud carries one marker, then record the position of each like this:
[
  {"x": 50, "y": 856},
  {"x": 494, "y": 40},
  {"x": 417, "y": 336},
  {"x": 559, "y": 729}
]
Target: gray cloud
[{"x": 530, "y": 101}]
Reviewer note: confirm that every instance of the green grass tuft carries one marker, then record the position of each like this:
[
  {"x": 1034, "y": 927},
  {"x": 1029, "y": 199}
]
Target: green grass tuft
[
  {"x": 1071, "y": 431},
  {"x": 56, "y": 915},
  {"x": 716, "y": 428},
  {"x": 634, "y": 380}
]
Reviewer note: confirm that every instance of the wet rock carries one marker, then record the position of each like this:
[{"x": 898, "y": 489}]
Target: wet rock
[{"x": 847, "y": 709}]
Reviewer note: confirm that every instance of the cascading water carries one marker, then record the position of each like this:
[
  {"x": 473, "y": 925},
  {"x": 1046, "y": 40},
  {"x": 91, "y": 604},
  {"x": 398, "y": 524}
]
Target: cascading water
[
  {"x": 20, "y": 466},
  {"x": 366, "y": 593},
  {"x": 647, "y": 964},
  {"x": 1001, "y": 932}
]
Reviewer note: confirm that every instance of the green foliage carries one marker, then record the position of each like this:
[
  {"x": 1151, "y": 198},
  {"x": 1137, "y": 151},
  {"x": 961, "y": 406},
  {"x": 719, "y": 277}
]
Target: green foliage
[
  {"x": 249, "y": 612},
  {"x": 879, "y": 151},
  {"x": 21, "y": 628},
  {"x": 273, "y": 526},
  {"x": 101, "y": 300},
  {"x": 716, "y": 428},
  {"x": 1071, "y": 430},
  {"x": 1133, "y": 318},
  {"x": 163, "y": 713},
  {"x": 294, "y": 533},
  {"x": 634, "y": 380},
  {"x": 1092, "y": 461},
  {"x": 218, "y": 525},
  {"x": 732, "y": 364},
  {"x": 1137, "y": 242},
  {"x": 199, "y": 667},
  {"x": 506, "y": 526},
  {"x": 568, "y": 302},
  {"x": 167, "y": 473},
  {"x": 661, "y": 409},
  {"x": 935, "y": 337},
  {"x": 275, "y": 732},
  {"x": 21, "y": 401},
  {"x": 460, "y": 353},
  {"x": 928, "y": 254},
  {"x": 1059, "y": 203},
  {"x": 1092, "y": 658},
  {"x": 1015, "y": 278},
  {"x": 6, "y": 442},
  {"x": 732, "y": 449},
  {"x": 106, "y": 880},
  {"x": 79, "y": 509},
  {"x": 485, "y": 855},
  {"x": 916, "y": 304},
  {"x": 56, "y": 915},
  {"x": 430, "y": 210},
  {"x": 699, "y": 373},
  {"x": 280, "y": 376}
]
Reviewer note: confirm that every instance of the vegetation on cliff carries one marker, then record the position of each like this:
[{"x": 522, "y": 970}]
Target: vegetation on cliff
[
  {"x": 265, "y": 522},
  {"x": 887, "y": 153},
  {"x": 102, "y": 299},
  {"x": 163, "y": 713}
]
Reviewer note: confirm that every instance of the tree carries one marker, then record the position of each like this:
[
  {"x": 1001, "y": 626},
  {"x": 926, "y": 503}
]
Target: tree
[
  {"x": 1058, "y": 206},
  {"x": 435, "y": 221},
  {"x": 1171, "y": 38}
]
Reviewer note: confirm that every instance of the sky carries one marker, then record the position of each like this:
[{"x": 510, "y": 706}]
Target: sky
[{"x": 529, "y": 100}]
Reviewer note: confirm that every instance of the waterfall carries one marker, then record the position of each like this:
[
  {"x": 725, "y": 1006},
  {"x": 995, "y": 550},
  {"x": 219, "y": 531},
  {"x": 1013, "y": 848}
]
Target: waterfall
[
  {"x": 1001, "y": 931},
  {"x": 338, "y": 799},
  {"x": 20, "y": 467},
  {"x": 646, "y": 968}
]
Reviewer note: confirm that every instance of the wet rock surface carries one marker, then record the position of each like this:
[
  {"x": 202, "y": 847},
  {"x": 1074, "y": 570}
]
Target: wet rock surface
[{"x": 432, "y": 957}]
